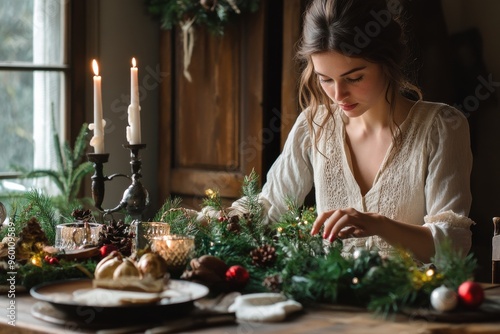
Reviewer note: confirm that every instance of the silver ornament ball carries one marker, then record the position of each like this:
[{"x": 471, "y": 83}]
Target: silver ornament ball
[{"x": 444, "y": 299}]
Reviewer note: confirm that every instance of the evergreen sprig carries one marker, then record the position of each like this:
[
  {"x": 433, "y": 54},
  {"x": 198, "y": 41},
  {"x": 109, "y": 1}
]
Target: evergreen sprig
[
  {"x": 212, "y": 199},
  {"x": 251, "y": 191},
  {"x": 293, "y": 232},
  {"x": 456, "y": 267},
  {"x": 71, "y": 168},
  {"x": 32, "y": 275},
  {"x": 34, "y": 203},
  {"x": 165, "y": 212},
  {"x": 316, "y": 279}
]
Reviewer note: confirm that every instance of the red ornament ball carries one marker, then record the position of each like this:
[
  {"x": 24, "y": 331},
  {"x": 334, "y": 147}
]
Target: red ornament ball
[
  {"x": 237, "y": 275},
  {"x": 107, "y": 249},
  {"x": 51, "y": 260},
  {"x": 471, "y": 294}
]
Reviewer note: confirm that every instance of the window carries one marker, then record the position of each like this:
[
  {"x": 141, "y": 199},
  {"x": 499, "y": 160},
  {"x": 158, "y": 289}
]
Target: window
[{"x": 33, "y": 77}]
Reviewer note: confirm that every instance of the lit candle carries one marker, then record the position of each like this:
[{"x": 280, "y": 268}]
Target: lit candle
[
  {"x": 134, "y": 83},
  {"x": 134, "y": 119},
  {"x": 97, "y": 140}
]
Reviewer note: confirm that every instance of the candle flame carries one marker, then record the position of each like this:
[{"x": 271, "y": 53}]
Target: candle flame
[
  {"x": 95, "y": 67},
  {"x": 133, "y": 62}
]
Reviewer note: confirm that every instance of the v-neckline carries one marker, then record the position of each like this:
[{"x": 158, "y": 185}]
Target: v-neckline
[
  {"x": 381, "y": 168},
  {"x": 348, "y": 157}
]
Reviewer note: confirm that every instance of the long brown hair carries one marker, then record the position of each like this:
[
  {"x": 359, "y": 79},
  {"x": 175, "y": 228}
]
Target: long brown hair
[{"x": 369, "y": 29}]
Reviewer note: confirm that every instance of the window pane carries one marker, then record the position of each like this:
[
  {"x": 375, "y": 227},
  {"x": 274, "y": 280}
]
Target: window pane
[
  {"x": 16, "y": 30},
  {"x": 48, "y": 32},
  {"x": 16, "y": 141},
  {"x": 29, "y": 100},
  {"x": 32, "y": 31},
  {"x": 48, "y": 102}
]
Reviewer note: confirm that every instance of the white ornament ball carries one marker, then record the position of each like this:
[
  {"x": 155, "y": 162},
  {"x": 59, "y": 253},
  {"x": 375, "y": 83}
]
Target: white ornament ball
[
  {"x": 359, "y": 252},
  {"x": 444, "y": 299}
]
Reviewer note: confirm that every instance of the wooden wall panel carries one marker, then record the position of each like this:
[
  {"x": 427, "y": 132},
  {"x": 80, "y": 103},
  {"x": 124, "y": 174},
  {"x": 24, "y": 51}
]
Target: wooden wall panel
[
  {"x": 292, "y": 18},
  {"x": 166, "y": 101}
]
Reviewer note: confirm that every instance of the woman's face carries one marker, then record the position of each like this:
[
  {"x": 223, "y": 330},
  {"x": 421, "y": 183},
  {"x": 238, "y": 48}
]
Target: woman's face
[{"x": 355, "y": 84}]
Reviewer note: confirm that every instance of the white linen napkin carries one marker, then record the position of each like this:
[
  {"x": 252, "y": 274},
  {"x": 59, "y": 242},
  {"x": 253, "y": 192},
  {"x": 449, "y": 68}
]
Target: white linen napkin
[{"x": 263, "y": 307}]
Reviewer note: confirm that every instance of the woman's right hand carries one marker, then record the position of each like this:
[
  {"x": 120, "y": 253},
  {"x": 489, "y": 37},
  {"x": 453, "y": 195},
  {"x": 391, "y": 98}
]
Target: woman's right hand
[{"x": 345, "y": 223}]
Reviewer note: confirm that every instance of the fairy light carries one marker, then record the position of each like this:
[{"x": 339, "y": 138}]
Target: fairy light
[
  {"x": 210, "y": 193},
  {"x": 36, "y": 260}
]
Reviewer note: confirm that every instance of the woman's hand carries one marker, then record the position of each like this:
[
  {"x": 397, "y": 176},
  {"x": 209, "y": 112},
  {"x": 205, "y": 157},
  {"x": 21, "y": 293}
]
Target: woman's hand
[
  {"x": 347, "y": 223},
  {"x": 352, "y": 223}
]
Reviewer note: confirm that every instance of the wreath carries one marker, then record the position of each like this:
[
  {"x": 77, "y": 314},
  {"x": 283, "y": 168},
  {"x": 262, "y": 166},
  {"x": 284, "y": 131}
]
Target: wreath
[{"x": 210, "y": 14}]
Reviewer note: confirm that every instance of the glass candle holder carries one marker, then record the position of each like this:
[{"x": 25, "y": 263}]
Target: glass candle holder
[
  {"x": 77, "y": 235},
  {"x": 177, "y": 250},
  {"x": 145, "y": 232}
]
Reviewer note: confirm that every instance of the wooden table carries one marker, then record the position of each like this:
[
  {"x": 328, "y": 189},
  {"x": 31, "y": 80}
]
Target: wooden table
[{"x": 324, "y": 319}]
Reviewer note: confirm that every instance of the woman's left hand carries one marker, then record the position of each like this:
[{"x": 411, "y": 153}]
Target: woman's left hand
[{"x": 345, "y": 223}]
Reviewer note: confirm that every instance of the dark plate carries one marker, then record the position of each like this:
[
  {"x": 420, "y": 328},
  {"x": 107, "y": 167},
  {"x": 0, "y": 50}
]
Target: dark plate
[
  {"x": 488, "y": 311},
  {"x": 60, "y": 295}
]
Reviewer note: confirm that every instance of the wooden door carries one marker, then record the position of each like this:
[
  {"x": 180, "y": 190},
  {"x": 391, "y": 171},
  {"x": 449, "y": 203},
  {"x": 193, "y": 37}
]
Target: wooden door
[{"x": 210, "y": 126}]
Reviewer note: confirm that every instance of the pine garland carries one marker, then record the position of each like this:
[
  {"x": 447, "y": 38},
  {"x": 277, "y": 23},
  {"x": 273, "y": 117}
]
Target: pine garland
[
  {"x": 302, "y": 267},
  {"x": 310, "y": 270}
]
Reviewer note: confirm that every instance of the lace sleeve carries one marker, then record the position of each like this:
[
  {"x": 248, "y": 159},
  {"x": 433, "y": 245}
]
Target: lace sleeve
[{"x": 450, "y": 226}]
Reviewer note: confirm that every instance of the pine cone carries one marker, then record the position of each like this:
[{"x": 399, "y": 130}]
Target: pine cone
[
  {"x": 248, "y": 218},
  {"x": 208, "y": 4},
  {"x": 82, "y": 215},
  {"x": 118, "y": 234},
  {"x": 264, "y": 256},
  {"x": 273, "y": 283},
  {"x": 234, "y": 224},
  {"x": 31, "y": 240}
]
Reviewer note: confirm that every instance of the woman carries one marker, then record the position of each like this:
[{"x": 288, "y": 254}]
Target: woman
[{"x": 388, "y": 171}]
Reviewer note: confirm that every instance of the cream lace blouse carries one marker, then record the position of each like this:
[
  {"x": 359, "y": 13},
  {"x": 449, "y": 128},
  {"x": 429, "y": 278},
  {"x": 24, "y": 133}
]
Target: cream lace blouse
[{"x": 425, "y": 182}]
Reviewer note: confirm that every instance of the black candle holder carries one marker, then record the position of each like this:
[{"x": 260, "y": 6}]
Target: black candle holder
[{"x": 135, "y": 199}]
